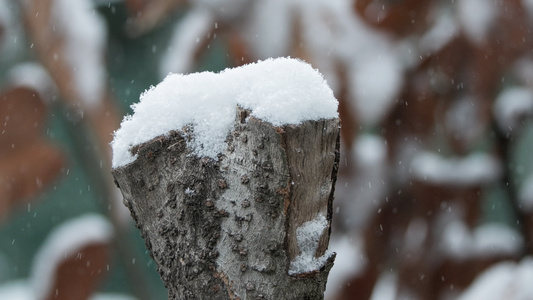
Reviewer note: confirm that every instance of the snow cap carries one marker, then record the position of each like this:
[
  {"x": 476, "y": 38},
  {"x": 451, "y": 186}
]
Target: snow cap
[{"x": 280, "y": 91}]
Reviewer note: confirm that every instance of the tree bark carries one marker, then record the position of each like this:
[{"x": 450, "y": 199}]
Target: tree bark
[{"x": 226, "y": 228}]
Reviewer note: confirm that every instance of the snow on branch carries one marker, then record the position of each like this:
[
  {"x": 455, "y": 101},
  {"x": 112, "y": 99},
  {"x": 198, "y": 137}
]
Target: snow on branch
[
  {"x": 512, "y": 106},
  {"x": 477, "y": 168},
  {"x": 279, "y": 91}
]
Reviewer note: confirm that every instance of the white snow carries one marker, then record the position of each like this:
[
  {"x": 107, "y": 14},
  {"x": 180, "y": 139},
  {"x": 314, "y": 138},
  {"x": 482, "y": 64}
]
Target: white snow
[
  {"x": 280, "y": 91},
  {"x": 370, "y": 150},
  {"x": 512, "y": 104},
  {"x": 332, "y": 36},
  {"x": 506, "y": 280},
  {"x": 476, "y": 16},
  {"x": 386, "y": 287},
  {"x": 64, "y": 241},
  {"x": 525, "y": 195},
  {"x": 463, "y": 118},
  {"x": 349, "y": 262},
  {"x": 192, "y": 30},
  {"x": 486, "y": 240},
  {"x": 476, "y": 168},
  {"x": 84, "y": 33},
  {"x": 307, "y": 236},
  {"x": 376, "y": 82},
  {"x": 33, "y": 76},
  {"x": 444, "y": 29},
  {"x": 269, "y": 34},
  {"x": 16, "y": 290}
]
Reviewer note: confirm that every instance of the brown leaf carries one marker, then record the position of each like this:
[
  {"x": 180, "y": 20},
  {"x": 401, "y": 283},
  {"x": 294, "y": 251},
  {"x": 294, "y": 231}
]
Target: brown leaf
[
  {"x": 25, "y": 172},
  {"x": 22, "y": 113},
  {"x": 28, "y": 162},
  {"x": 399, "y": 17},
  {"x": 78, "y": 275},
  {"x": 238, "y": 49}
]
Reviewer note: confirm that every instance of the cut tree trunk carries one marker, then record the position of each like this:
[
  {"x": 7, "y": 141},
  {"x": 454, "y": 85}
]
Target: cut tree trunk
[{"x": 227, "y": 228}]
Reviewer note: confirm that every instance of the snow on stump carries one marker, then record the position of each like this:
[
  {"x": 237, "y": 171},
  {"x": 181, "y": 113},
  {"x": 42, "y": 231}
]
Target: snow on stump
[{"x": 230, "y": 178}]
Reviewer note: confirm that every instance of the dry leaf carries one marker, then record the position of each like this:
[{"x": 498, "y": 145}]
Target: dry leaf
[
  {"x": 73, "y": 259},
  {"x": 78, "y": 276},
  {"x": 28, "y": 162}
]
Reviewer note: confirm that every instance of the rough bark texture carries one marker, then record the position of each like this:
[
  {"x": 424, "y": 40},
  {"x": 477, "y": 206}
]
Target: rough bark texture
[{"x": 226, "y": 229}]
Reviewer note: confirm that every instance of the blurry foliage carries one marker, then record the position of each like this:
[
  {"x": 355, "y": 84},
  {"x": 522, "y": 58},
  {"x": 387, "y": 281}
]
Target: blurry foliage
[{"x": 435, "y": 97}]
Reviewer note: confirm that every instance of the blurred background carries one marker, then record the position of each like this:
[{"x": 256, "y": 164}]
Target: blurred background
[{"x": 434, "y": 198}]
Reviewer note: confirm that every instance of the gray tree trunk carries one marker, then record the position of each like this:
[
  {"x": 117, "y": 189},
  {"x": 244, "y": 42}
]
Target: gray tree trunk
[{"x": 226, "y": 229}]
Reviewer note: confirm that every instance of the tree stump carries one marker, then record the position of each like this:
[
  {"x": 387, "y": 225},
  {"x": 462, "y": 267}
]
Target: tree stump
[{"x": 230, "y": 228}]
